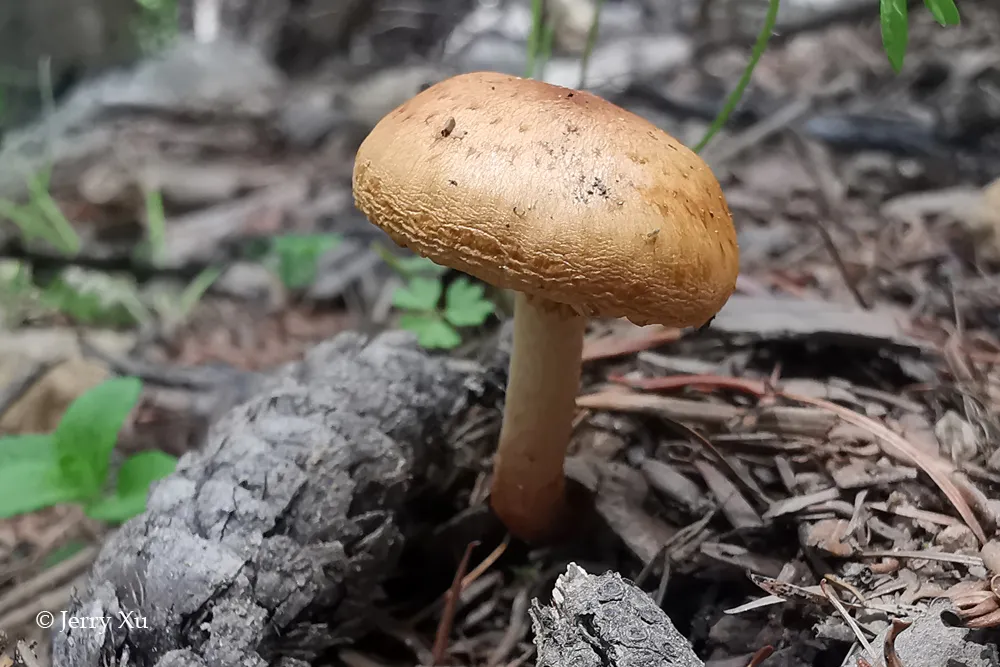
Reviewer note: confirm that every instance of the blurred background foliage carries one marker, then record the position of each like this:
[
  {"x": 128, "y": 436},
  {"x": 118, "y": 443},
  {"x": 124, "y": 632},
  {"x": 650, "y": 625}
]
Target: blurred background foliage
[{"x": 48, "y": 45}]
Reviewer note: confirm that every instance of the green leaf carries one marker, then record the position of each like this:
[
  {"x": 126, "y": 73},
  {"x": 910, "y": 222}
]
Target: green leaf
[
  {"x": 196, "y": 289},
  {"x": 465, "y": 303},
  {"x": 736, "y": 94},
  {"x": 91, "y": 305},
  {"x": 26, "y": 486},
  {"x": 38, "y": 448},
  {"x": 432, "y": 331},
  {"x": 69, "y": 242},
  {"x": 895, "y": 31},
  {"x": 117, "y": 509},
  {"x": 156, "y": 225},
  {"x": 419, "y": 294},
  {"x": 945, "y": 12},
  {"x": 298, "y": 256},
  {"x": 140, "y": 470},
  {"x": 88, "y": 431},
  {"x": 135, "y": 476}
]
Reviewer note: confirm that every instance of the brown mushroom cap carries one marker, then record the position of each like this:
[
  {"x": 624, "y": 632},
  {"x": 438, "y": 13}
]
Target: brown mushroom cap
[{"x": 552, "y": 192}]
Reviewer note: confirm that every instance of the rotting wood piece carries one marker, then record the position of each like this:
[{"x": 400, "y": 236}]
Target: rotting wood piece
[
  {"x": 273, "y": 539},
  {"x": 604, "y": 620}
]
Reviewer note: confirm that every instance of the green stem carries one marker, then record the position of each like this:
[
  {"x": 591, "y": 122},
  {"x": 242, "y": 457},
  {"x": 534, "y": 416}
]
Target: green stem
[
  {"x": 734, "y": 97},
  {"x": 591, "y": 41},
  {"x": 535, "y": 38}
]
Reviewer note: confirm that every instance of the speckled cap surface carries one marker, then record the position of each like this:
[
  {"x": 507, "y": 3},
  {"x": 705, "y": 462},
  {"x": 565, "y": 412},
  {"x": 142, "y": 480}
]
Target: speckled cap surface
[{"x": 552, "y": 192}]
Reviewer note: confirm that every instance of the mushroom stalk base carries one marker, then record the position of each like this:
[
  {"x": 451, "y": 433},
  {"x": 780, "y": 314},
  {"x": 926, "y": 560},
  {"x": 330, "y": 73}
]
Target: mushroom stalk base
[{"x": 528, "y": 492}]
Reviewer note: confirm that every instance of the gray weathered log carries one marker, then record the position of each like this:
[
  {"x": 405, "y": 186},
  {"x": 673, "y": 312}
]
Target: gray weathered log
[
  {"x": 605, "y": 621},
  {"x": 266, "y": 546}
]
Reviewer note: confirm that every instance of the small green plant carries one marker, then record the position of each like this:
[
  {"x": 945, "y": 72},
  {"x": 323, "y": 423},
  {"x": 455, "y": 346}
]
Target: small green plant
[
  {"x": 465, "y": 305},
  {"x": 72, "y": 464},
  {"x": 87, "y": 297},
  {"x": 894, "y": 21},
  {"x": 437, "y": 327},
  {"x": 540, "y": 40},
  {"x": 153, "y": 248},
  {"x": 94, "y": 298},
  {"x": 41, "y": 218},
  {"x": 298, "y": 256},
  {"x": 294, "y": 258}
]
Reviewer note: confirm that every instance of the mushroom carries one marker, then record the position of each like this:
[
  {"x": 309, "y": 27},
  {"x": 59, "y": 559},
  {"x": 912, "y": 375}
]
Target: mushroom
[{"x": 583, "y": 208}]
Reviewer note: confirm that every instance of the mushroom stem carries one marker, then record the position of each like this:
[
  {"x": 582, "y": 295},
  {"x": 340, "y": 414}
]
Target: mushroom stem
[{"x": 528, "y": 490}]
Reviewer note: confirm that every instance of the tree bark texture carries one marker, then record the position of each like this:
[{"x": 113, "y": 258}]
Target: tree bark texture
[
  {"x": 605, "y": 621},
  {"x": 267, "y": 545}
]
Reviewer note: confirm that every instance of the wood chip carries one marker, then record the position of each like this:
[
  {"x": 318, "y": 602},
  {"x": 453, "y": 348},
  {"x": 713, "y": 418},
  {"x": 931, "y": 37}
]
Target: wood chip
[
  {"x": 799, "y": 503},
  {"x": 861, "y": 474},
  {"x": 829, "y": 535},
  {"x": 671, "y": 483},
  {"x": 770, "y": 318},
  {"x": 781, "y": 419},
  {"x": 737, "y": 508}
]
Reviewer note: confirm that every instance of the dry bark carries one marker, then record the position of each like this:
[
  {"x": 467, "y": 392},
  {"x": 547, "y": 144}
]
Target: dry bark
[
  {"x": 604, "y": 621},
  {"x": 267, "y": 546}
]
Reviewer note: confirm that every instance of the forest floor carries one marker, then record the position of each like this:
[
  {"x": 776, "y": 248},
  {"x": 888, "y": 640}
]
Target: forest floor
[{"x": 832, "y": 439}]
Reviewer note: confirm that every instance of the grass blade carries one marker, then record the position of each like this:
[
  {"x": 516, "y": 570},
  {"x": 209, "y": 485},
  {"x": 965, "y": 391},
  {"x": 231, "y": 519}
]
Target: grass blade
[{"x": 763, "y": 37}]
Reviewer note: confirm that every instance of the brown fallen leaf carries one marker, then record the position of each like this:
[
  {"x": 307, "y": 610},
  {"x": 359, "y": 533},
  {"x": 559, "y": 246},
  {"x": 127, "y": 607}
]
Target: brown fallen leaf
[
  {"x": 828, "y": 535},
  {"x": 892, "y": 444}
]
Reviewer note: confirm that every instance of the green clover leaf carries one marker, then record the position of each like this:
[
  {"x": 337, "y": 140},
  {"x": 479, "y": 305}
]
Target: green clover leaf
[
  {"x": 419, "y": 294},
  {"x": 432, "y": 331},
  {"x": 466, "y": 304},
  {"x": 297, "y": 256}
]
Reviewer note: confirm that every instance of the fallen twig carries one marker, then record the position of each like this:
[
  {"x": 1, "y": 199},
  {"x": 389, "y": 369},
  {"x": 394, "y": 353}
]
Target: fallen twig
[
  {"x": 450, "y": 605},
  {"x": 851, "y": 623}
]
